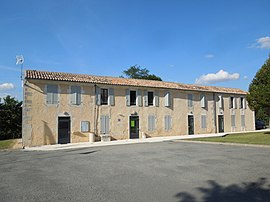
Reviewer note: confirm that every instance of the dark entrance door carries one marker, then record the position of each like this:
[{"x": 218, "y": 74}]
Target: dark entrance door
[
  {"x": 220, "y": 124},
  {"x": 190, "y": 125},
  {"x": 63, "y": 130},
  {"x": 134, "y": 127}
]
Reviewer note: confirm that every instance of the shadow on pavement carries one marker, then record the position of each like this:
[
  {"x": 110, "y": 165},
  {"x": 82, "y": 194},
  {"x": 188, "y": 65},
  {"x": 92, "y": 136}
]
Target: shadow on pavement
[{"x": 248, "y": 191}]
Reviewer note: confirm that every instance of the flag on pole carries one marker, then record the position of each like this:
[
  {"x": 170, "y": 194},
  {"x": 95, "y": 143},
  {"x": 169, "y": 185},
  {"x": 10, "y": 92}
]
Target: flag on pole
[{"x": 19, "y": 59}]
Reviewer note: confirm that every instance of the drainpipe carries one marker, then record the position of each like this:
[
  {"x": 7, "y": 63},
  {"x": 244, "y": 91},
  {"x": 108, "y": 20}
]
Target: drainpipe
[
  {"x": 215, "y": 112},
  {"x": 95, "y": 108}
]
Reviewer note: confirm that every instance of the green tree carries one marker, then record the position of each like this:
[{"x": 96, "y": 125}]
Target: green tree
[
  {"x": 259, "y": 92},
  {"x": 136, "y": 72},
  {"x": 10, "y": 118}
]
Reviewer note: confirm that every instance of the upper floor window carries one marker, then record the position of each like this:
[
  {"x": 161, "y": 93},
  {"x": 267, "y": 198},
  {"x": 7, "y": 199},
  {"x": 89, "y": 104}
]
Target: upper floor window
[
  {"x": 190, "y": 100},
  {"x": 104, "y": 96},
  {"x": 52, "y": 94},
  {"x": 150, "y": 98},
  {"x": 75, "y": 95},
  {"x": 232, "y": 103},
  {"x": 242, "y": 103},
  {"x": 203, "y": 101},
  {"x": 133, "y": 97},
  {"x": 168, "y": 99}
]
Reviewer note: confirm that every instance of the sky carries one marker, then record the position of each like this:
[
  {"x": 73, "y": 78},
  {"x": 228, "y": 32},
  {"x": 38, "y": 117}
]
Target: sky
[{"x": 204, "y": 42}]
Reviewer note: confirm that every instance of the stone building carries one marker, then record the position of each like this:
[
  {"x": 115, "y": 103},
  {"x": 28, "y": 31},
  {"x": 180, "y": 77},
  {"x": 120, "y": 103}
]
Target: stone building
[{"x": 65, "y": 108}]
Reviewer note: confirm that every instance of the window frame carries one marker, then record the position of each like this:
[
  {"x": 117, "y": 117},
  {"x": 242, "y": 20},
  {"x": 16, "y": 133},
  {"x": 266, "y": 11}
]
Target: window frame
[
  {"x": 132, "y": 100},
  {"x": 104, "y": 98},
  {"x": 150, "y": 98}
]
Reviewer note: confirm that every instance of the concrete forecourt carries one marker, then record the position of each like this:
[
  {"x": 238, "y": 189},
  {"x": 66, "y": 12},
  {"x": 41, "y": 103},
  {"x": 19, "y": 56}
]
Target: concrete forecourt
[{"x": 166, "y": 171}]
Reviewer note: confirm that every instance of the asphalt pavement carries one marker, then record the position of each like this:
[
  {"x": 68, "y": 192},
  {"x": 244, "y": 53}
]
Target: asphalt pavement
[{"x": 164, "y": 171}]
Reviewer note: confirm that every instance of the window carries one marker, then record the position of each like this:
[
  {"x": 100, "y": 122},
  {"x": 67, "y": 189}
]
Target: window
[
  {"x": 151, "y": 123},
  {"x": 220, "y": 101},
  {"x": 242, "y": 103},
  {"x": 85, "y": 126},
  {"x": 75, "y": 95},
  {"x": 203, "y": 122},
  {"x": 190, "y": 100},
  {"x": 132, "y": 97},
  {"x": 243, "y": 124},
  {"x": 104, "y": 124},
  {"x": 232, "y": 103},
  {"x": 203, "y": 101},
  {"x": 168, "y": 99},
  {"x": 52, "y": 94},
  {"x": 233, "y": 120},
  {"x": 150, "y": 98},
  {"x": 104, "y": 96},
  {"x": 168, "y": 122}
]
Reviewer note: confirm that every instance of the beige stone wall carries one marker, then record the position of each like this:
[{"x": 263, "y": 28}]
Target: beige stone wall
[{"x": 40, "y": 125}]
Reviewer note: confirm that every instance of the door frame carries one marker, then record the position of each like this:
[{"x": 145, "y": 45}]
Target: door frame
[
  {"x": 129, "y": 126},
  {"x": 219, "y": 123},
  {"x": 59, "y": 117}
]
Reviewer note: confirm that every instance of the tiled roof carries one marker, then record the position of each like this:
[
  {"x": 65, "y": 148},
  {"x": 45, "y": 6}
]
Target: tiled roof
[{"x": 83, "y": 78}]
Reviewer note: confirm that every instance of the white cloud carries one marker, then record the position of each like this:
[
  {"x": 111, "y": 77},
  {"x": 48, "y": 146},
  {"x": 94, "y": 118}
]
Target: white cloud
[
  {"x": 6, "y": 86},
  {"x": 209, "y": 56},
  {"x": 263, "y": 42},
  {"x": 245, "y": 77},
  {"x": 220, "y": 76}
]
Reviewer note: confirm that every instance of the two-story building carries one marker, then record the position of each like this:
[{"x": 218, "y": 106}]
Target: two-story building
[{"x": 65, "y": 108}]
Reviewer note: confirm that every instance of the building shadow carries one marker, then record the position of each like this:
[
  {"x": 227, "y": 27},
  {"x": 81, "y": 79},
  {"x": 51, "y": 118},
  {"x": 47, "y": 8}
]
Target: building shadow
[
  {"x": 244, "y": 192},
  {"x": 48, "y": 138}
]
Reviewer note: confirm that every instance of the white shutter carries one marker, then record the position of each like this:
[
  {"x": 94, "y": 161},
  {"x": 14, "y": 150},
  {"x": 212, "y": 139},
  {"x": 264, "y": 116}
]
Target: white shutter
[
  {"x": 128, "y": 97},
  {"x": 235, "y": 103},
  {"x": 104, "y": 124},
  {"x": 203, "y": 101},
  {"x": 79, "y": 95},
  {"x": 75, "y": 95},
  {"x": 111, "y": 97},
  {"x": 98, "y": 96},
  {"x": 156, "y": 99},
  {"x": 168, "y": 99},
  {"x": 49, "y": 94},
  {"x": 139, "y": 98},
  {"x": 145, "y": 97},
  {"x": 203, "y": 121},
  {"x": 151, "y": 123},
  {"x": 244, "y": 103},
  {"x": 220, "y": 101}
]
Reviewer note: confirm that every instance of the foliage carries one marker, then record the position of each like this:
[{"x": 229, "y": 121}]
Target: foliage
[
  {"x": 6, "y": 144},
  {"x": 259, "y": 90},
  {"x": 10, "y": 119},
  {"x": 136, "y": 72}
]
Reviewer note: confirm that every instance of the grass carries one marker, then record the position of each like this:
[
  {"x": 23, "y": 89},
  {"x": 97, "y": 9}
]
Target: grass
[
  {"x": 260, "y": 138},
  {"x": 6, "y": 144}
]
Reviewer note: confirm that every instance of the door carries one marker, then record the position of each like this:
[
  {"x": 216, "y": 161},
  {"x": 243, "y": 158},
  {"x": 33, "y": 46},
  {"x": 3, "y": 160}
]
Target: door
[
  {"x": 134, "y": 127},
  {"x": 63, "y": 130},
  {"x": 190, "y": 125},
  {"x": 220, "y": 124}
]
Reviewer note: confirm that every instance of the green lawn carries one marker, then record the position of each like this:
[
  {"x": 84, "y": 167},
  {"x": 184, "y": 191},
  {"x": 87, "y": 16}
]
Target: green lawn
[
  {"x": 6, "y": 144},
  {"x": 261, "y": 138}
]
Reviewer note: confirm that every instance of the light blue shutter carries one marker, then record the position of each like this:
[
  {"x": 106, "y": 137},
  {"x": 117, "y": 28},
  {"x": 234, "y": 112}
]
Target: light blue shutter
[
  {"x": 145, "y": 98},
  {"x": 156, "y": 99},
  {"x": 168, "y": 99},
  {"x": 139, "y": 98},
  {"x": 128, "y": 97},
  {"x": 55, "y": 94},
  {"x": 111, "y": 97},
  {"x": 103, "y": 124},
  {"x": 75, "y": 95},
  {"x": 98, "y": 96},
  {"x": 79, "y": 95},
  {"x": 49, "y": 94}
]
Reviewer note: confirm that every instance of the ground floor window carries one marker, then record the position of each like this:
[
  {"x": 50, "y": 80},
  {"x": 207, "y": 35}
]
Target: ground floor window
[{"x": 151, "y": 123}]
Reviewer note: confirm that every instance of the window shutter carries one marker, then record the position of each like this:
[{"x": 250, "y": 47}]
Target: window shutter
[
  {"x": 128, "y": 97},
  {"x": 139, "y": 98},
  {"x": 55, "y": 94},
  {"x": 149, "y": 123},
  {"x": 75, "y": 95},
  {"x": 166, "y": 122},
  {"x": 145, "y": 98},
  {"x": 243, "y": 124},
  {"x": 98, "y": 96},
  {"x": 203, "y": 101},
  {"x": 235, "y": 103},
  {"x": 244, "y": 103},
  {"x": 168, "y": 99},
  {"x": 111, "y": 97},
  {"x": 156, "y": 99},
  {"x": 230, "y": 102},
  {"x": 49, "y": 94},
  {"x": 107, "y": 124},
  {"x": 220, "y": 101},
  {"x": 79, "y": 95},
  {"x": 190, "y": 100}
]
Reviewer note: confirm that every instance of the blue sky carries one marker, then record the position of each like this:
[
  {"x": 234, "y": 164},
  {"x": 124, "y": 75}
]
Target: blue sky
[{"x": 221, "y": 43}]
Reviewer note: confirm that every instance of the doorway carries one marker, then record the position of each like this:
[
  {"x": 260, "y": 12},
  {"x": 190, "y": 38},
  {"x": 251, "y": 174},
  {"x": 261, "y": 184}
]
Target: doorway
[
  {"x": 134, "y": 127},
  {"x": 220, "y": 124},
  {"x": 63, "y": 130},
  {"x": 190, "y": 124}
]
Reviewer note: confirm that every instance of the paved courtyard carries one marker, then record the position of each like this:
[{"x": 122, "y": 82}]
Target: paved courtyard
[{"x": 166, "y": 171}]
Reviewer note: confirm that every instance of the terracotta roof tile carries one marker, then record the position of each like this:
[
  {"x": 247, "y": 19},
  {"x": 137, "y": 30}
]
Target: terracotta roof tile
[{"x": 83, "y": 78}]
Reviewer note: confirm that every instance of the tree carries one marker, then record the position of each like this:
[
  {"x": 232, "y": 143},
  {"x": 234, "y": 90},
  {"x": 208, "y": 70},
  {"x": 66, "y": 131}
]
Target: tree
[
  {"x": 10, "y": 118},
  {"x": 259, "y": 92},
  {"x": 136, "y": 72}
]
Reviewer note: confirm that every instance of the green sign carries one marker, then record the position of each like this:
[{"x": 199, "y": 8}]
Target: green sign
[{"x": 132, "y": 123}]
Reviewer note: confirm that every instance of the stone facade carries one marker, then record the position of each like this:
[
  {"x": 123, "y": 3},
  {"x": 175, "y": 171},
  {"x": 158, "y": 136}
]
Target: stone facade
[{"x": 40, "y": 119}]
